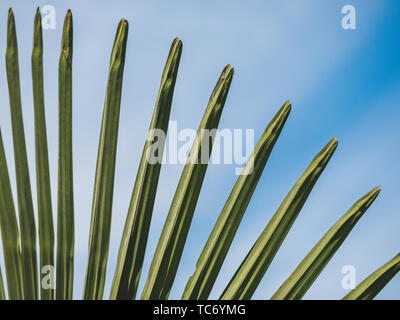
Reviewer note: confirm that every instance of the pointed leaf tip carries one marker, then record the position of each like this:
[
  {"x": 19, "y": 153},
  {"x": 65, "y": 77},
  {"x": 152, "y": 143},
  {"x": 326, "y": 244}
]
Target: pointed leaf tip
[
  {"x": 226, "y": 69},
  {"x": 330, "y": 147},
  {"x": 287, "y": 105},
  {"x": 123, "y": 27},
  {"x": 38, "y": 17},
  {"x": 230, "y": 74},
  {"x": 68, "y": 20},
  {"x": 123, "y": 22},
  {"x": 10, "y": 18},
  {"x": 176, "y": 42},
  {"x": 372, "y": 195}
]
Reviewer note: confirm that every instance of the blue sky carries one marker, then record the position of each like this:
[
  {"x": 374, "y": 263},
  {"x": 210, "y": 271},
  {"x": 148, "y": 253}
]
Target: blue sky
[{"x": 342, "y": 83}]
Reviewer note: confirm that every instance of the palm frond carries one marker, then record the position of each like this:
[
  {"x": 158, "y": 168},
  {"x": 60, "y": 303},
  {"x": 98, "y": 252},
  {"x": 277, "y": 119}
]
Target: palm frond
[
  {"x": 25, "y": 204},
  {"x": 312, "y": 265},
  {"x": 251, "y": 271},
  {"x": 136, "y": 231},
  {"x": 46, "y": 227},
  {"x": 18, "y": 234},
  {"x": 9, "y": 231},
  {"x": 173, "y": 237},
  {"x": 100, "y": 225},
  {"x": 65, "y": 201},
  {"x": 215, "y": 250}
]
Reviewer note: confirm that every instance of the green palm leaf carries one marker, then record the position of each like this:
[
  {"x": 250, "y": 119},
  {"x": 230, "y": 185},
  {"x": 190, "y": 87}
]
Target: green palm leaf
[
  {"x": 99, "y": 237},
  {"x": 25, "y": 205},
  {"x": 46, "y": 228},
  {"x": 65, "y": 210},
  {"x": 9, "y": 231},
  {"x": 251, "y": 271},
  {"x": 136, "y": 231},
  {"x": 173, "y": 237},
  {"x": 215, "y": 250},
  {"x": 372, "y": 285},
  {"x": 312, "y": 265}
]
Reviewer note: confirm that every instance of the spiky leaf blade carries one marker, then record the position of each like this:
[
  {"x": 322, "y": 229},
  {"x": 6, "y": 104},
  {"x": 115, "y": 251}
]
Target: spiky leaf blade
[
  {"x": 173, "y": 237},
  {"x": 251, "y": 271},
  {"x": 9, "y": 232},
  {"x": 46, "y": 227},
  {"x": 25, "y": 204},
  {"x": 136, "y": 231},
  {"x": 217, "y": 246},
  {"x": 373, "y": 284},
  {"x": 311, "y": 266},
  {"x": 100, "y": 225},
  {"x": 65, "y": 199}
]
